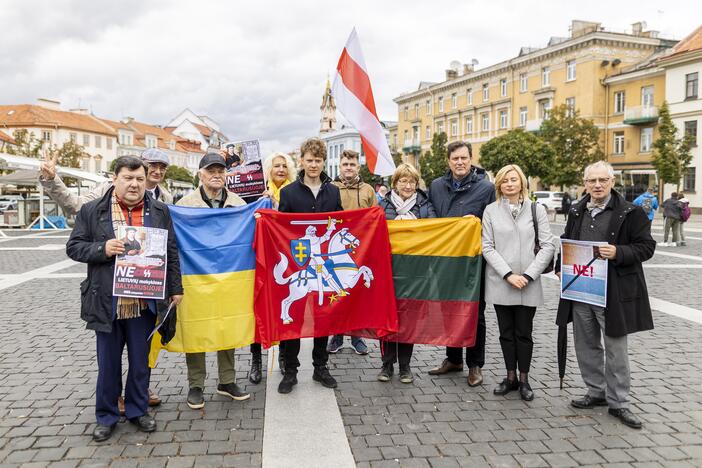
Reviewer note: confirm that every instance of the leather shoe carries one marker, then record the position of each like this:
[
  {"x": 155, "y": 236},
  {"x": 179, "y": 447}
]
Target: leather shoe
[
  {"x": 255, "y": 372},
  {"x": 525, "y": 391},
  {"x": 475, "y": 376},
  {"x": 286, "y": 385},
  {"x": 588, "y": 402},
  {"x": 446, "y": 367},
  {"x": 322, "y": 375},
  {"x": 506, "y": 386},
  {"x": 154, "y": 399},
  {"x": 626, "y": 416},
  {"x": 145, "y": 423},
  {"x": 101, "y": 432}
]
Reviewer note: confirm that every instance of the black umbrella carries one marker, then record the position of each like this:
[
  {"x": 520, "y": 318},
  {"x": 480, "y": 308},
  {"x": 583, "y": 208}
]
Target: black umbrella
[{"x": 562, "y": 343}]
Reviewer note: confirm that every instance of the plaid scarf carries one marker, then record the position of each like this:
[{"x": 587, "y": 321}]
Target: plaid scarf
[{"x": 127, "y": 307}]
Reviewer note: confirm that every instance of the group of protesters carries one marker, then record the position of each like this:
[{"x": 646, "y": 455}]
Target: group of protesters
[{"x": 517, "y": 247}]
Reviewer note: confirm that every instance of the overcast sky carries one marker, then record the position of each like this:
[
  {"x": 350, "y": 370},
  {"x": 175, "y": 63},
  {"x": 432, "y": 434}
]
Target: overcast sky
[{"x": 259, "y": 68}]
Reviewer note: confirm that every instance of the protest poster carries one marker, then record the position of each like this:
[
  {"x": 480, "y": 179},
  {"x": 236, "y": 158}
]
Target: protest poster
[
  {"x": 244, "y": 168},
  {"x": 140, "y": 272},
  {"x": 583, "y": 272}
]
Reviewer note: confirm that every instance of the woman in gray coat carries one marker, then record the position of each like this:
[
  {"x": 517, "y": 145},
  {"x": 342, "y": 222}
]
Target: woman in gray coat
[{"x": 512, "y": 280}]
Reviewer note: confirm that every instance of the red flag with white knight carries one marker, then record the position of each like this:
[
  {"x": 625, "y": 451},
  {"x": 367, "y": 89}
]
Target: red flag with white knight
[{"x": 321, "y": 274}]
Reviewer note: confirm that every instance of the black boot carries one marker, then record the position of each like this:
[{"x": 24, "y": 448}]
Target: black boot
[{"x": 255, "y": 372}]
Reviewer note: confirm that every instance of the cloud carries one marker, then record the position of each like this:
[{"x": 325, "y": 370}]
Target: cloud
[{"x": 259, "y": 68}]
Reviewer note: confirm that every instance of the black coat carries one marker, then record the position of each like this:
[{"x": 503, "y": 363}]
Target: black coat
[
  {"x": 628, "y": 309},
  {"x": 93, "y": 228},
  {"x": 298, "y": 198},
  {"x": 474, "y": 193},
  {"x": 421, "y": 209}
]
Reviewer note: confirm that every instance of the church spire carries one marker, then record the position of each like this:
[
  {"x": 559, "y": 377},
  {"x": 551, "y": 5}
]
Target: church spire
[{"x": 327, "y": 123}]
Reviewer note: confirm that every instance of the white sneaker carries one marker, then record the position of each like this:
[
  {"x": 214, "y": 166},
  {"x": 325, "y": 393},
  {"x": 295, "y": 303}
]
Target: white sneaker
[
  {"x": 673, "y": 244},
  {"x": 662, "y": 244}
]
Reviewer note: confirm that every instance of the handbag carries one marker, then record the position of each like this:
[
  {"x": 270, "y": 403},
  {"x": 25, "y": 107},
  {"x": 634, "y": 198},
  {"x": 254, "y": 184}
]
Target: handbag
[{"x": 537, "y": 246}]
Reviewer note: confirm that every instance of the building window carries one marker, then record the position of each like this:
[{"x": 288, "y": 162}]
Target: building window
[
  {"x": 503, "y": 119},
  {"x": 46, "y": 136},
  {"x": 440, "y": 127},
  {"x": 428, "y": 104},
  {"x": 619, "y": 99},
  {"x": 503, "y": 87},
  {"x": 416, "y": 111},
  {"x": 98, "y": 141},
  {"x": 469, "y": 125},
  {"x": 86, "y": 139},
  {"x": 469, "y": 96},
  {"x": 73, "y": 136},
  {"x": 172, "y": 145},
  {"x": 427, "y": 133},
  {"x": 151, "y": 141},
  {"x": 454, "y": 101},
  {"x": 570, "y": 104},
  {"x": 415, "y": 135},
  {"x": 486, "y": 92},
  {"x": 570, "y": 70},
  {"x": 545, "y": 107},
  {"x": 691, "y": 131},
  {"x": 545, "y": 76},
  {"x": 522, "y": 116},
  {"x": 646, "y": 139},
  {"x": 98, "y": 164},
  {"x": 454, "y": 128},
  {"x": 85, "y": 164},
  {"x": 406, "y": 113},
  {"x": 406, "y": 140},
  {"x": 647, "y": 96},
  {"x": 441, "y": 103},
  {"x": 618, "y": 143},
  {"x": 691, "y": 86},
  {"x": 108, "y": 143},
  {"x": 486, "y": 122},
  {"x": 523, "y": 82},
  {"x": 689, "y": 180}
]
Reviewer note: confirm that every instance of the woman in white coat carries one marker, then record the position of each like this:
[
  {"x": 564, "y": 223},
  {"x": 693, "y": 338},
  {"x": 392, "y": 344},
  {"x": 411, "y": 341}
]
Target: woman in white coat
[{"x": 513, "y": 272}]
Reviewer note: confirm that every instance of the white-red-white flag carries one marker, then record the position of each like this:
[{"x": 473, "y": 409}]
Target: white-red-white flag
[{"x": 354, "y": 98}]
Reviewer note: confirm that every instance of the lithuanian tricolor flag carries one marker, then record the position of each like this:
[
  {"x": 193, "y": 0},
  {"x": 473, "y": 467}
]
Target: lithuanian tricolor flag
[
  {"x": 217, "y": 263},
  {"x": 436, "y": 268}
]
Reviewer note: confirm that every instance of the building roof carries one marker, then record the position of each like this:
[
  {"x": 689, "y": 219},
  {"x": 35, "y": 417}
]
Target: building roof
[
  {"x": 7, "y": 138},
  {"x": 29, "y": 115},
  {"x": 205, "y": 131},
  {"x": 690, "y": 43},
  {"x": 164, "y": 136}
]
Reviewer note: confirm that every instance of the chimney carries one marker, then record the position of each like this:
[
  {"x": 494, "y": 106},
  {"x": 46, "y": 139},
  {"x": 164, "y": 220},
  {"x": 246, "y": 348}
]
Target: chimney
[
  {"x": 451, "y": 74},
  {"x": 580, "y": 28},
  {"x": 468, "y": 68},
  {"x": 49, "y": 104},
  {"x": 127, "y": 120},
  {"x": 637, "y": 28},
  {"x": 80, "y": 110}
]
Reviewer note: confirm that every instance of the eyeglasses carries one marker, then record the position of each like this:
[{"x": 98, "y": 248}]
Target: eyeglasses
[
  {"x": 406, "y": 182},
  {"x": 601, "y": 181}
]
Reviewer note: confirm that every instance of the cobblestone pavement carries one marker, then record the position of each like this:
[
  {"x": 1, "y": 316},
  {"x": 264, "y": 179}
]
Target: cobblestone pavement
[{"x": 48, "y": 370}]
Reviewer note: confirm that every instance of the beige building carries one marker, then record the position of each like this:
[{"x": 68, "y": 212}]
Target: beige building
[{"x": 477, "y": 105}]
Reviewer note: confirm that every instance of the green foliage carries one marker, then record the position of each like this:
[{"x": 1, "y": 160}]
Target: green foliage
[
  {"x": 27, "y": 144},
  {"x": 178, "y": 173},
  {"x": 69, "y": 154},
  {"x": 574, "y": 142},
  {"x": 368, "y": 177},
  {"x": 525, "y": 149},
  {"x": 112, "y": 165},
  {"x": 671, "y": 155},
  {"x": 433, "y": 164}
]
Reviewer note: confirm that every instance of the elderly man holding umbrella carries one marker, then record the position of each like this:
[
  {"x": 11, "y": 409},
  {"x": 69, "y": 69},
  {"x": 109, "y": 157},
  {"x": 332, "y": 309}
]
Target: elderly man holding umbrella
[{"x": 604, "y": 216}]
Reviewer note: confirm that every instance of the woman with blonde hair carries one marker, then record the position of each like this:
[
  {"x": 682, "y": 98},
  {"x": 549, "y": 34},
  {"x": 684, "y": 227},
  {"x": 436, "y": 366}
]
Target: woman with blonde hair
[
  {"x": 515, "y": 257},
  {"x": 405, "y": 201}
]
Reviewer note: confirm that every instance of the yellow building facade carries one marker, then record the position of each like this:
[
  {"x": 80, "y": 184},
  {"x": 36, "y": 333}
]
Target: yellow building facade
[{"x": 477, "y": 105}]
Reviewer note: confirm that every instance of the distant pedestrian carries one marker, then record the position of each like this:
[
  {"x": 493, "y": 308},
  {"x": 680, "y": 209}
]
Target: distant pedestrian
[
  {"x": 380, "y": 194},
  {"x": 684, "y": 216},
  {"x": 565, "y": 204},
  {"x": 648, "y": 201},
  {"x": 672, "y": 213}
]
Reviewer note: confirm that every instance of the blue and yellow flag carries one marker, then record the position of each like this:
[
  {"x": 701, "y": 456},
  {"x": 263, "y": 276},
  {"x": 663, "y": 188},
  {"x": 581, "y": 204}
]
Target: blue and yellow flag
[{"x": 217, "y": 263}]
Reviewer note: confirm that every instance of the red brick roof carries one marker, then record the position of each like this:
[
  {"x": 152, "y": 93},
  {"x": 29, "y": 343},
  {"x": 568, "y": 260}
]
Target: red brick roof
[
  {"x": 7, "y": 138},
  {"x": 690, "y": 43},
  {"x": 28, "y": 115},
  {"x": 164, "y": 136}
]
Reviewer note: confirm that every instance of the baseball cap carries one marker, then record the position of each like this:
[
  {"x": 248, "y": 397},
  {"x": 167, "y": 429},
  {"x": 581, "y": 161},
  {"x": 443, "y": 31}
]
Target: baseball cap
[
  {"x": 212, "y": 159},
  {"x": 153, "y": 155}
]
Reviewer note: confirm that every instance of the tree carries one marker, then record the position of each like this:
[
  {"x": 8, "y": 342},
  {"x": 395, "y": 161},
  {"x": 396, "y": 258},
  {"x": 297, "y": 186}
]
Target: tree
[
  {"x": 433, "y": 164},
  {"x": 27, "y": 144},
  {"x": 671, "y": 155},
  {"x": 368, "y": 177},
  {"x": 178, "y": 173},
  {"x": 575, "y": 145},
  {"x": 525, "y": 149},
  {"x": 69, "y": 155}
]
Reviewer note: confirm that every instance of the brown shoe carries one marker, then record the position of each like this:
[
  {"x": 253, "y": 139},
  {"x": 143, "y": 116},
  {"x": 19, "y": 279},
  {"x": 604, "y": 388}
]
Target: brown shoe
[
  {"x": 446, "y": 367},
  {"x": 154, "y": 399},
  {"x": 120, "y": 405},
  {"x": 475, "y": 376}
]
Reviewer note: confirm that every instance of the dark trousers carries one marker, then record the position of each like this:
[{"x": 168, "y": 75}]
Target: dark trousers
[
  {"x": 516, "y": 324},
  {"x": 255, "y": 348},
  {"x": 291, "y": 349},
  {"x": 134, "y": 333},
  {"x": 475, "y": 356},
  {"x": 392, "y": 351}
]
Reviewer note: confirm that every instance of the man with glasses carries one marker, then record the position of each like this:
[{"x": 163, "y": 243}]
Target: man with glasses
[{"x": 603, "y": 215}]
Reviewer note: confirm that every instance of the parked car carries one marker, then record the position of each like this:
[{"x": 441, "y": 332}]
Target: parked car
[
  {"x": 7, "y": 205},
  {"x": 551, "y": 200}
]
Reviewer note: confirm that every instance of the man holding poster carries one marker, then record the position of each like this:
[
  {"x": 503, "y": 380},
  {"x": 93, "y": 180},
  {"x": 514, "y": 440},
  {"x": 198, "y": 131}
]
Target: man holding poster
[{"x": 618, "y": 232}]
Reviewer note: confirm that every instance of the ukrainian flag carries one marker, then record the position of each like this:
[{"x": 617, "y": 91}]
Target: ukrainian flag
[{"x": 217, "y": 263}]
